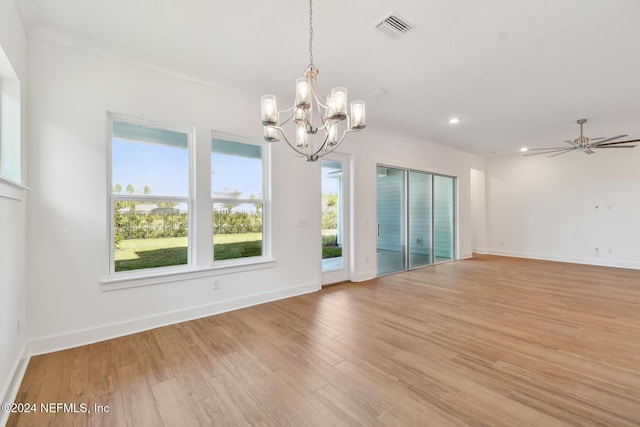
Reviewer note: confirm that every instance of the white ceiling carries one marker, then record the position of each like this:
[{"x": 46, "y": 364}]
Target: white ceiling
[{"x": 516, "y": 72}]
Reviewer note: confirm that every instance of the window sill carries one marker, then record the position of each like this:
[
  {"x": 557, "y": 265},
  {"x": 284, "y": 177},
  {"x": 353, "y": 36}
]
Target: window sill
[
  {"x": 10, "y": 189},
  {"x": 137, "y": 279}
]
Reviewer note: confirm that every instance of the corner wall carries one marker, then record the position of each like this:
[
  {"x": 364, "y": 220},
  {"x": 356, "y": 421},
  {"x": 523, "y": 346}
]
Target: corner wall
[
  {"x": 563, "y": 208},
  {"x": 13, "y": 231}
]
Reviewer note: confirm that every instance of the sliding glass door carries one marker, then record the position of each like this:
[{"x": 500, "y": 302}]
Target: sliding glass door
[
  {"x": 415, "y": 219},
  {"x": 443, "y": 216},
  {"x": 420, "y": 226},
  {"x": 391, "y": 218}
]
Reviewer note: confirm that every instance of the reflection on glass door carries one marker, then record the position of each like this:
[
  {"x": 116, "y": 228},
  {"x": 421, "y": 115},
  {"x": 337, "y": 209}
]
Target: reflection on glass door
[
  {"x": 420, "y": 219},
  {"x": 415, "y": 219},
  {"x": 391, "y": 215},
  {"x": 443, "y": 214}
]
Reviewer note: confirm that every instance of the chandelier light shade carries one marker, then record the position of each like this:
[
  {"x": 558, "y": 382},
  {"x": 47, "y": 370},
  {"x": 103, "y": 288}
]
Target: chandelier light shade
[{"x": 316, "y": 128}]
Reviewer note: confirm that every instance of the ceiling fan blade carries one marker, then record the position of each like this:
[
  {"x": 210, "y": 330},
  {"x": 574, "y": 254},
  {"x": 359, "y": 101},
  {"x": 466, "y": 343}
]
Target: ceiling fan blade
[
  {"x": 550, "y": 148},
  {"x": 563, "y": 152},
  {"x": 617, "y": 146},
  {"x": 609, "y": 139},
  {"x": 589, "y": 151},
  {"x": 568, "y": 141},
  {"x": 550, "y": 151},
  {"x": 615, "y": 143},
  {"x": 594, "y": 139}
]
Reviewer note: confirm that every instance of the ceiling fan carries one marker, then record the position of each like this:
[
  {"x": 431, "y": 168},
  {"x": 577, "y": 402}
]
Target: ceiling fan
[{"x": 584, "y": 144}]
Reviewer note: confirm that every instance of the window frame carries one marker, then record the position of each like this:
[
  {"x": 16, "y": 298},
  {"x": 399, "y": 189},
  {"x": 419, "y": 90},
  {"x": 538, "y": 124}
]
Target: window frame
[
  {"x": 265, "y": 199},
  {"x": 190, "y": 131},
  {"x": 11, "y": 144}
]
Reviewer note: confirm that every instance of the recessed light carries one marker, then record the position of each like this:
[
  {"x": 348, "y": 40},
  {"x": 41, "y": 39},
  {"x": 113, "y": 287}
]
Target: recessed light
[
  {"x": 454, "y": 120},
  {"x": 523, "y": 149}
]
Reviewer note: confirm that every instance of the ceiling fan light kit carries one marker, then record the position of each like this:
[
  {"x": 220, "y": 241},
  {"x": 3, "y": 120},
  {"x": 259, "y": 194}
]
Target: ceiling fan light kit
[{"x": 584, "y": 144}]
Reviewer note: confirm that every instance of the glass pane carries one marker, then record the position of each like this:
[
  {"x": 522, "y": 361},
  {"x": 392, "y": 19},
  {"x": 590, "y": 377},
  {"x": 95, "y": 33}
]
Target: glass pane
[
  {"x": 236, "y": 233},
  {"x": 443, "y": 199},
  {"x": 10, "y": 122},
  {"x": 155, "y": 163},
  {"x": 419, "y": 219},
  {"x": 236, "y": 180},
  {"x": 150, "y": 235},
  {"x": 390, "y": 213},
  {"x": 236, "y": 170},
  {"x": 332, "y": 220}
]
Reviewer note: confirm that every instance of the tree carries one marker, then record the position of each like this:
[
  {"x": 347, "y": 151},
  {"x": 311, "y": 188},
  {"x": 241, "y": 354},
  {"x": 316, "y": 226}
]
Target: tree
[
  {"x": 130, "y": 189},
  {"x": 117, "y": 189}
]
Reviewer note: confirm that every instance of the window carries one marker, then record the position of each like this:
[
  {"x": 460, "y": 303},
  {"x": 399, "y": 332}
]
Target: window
[
  {"x": 10, "y": 139},
  {"x": 150, "y": 195},
  {"x": 238, "y": 198}
]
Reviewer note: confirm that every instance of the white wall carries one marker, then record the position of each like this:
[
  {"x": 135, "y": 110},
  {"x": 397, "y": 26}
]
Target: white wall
[
  {"x": 478, "y": 211},
  {"x": 563, "y": 208},
  {"x": 13, "y": 281},
  {"x": 71, "y": 91},
  {"x": 70, "y": 96}
]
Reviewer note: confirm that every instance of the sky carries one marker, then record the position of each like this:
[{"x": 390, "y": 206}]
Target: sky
[{"x": 164, "y": 169}]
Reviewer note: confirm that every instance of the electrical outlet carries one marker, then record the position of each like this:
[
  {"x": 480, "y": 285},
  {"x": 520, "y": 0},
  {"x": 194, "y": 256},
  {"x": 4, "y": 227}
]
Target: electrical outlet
[
  {"x": 597, "y": 252},
  {"x": 216, "y": 285}
]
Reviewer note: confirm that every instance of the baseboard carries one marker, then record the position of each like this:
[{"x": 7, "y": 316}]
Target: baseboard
[
  {"x": 92, "y": 335},
  {"x": 363, "y": 277},
  {"x": 574, "y": 260},
  {"x": 466, "y": 255},
  {"x": 482, "y": 251},
  {"x": 10, "y": 390}
]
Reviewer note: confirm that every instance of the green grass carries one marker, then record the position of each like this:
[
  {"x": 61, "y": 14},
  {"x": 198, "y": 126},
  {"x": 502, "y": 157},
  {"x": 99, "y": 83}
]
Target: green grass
[
  {"x": 136, "y": 254},
  {"x": 330, "y": 248}
]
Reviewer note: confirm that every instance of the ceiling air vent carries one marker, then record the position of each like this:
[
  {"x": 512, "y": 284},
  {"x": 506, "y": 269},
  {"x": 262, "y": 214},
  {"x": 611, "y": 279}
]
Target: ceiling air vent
[{"x": 393, "y": 26}]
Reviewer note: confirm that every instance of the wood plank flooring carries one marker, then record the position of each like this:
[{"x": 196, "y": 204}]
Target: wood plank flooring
[{"x": 490, "y": 341}]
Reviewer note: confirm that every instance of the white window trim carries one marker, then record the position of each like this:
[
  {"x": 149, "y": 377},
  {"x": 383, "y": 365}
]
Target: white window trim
[
  {"x": 266, "y": 207},
  {"x": 9, "y": 189},
  {"x": 160, "y": 271},
  {"x": 11, "y": 130},
  {"x": 156, "y": 276},
  {"x": 173, "y": 274}
]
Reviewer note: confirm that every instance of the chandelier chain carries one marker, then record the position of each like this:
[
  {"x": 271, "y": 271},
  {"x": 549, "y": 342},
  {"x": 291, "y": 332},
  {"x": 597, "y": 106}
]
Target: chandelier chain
[{"x": 311, "y": 34}]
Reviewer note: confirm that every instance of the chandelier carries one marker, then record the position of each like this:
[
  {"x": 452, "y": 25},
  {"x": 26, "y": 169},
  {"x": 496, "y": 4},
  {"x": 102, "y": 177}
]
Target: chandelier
[{"x": 309, "y": 115}]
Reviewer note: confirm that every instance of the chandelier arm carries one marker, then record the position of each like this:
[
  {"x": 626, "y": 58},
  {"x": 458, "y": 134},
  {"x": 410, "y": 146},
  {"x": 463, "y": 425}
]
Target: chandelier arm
[
  {"x": 293, "y": 147},
  {"x": 323, "y": 147},
  {"x": 288, "y": 119},
  {"x": 346, "y": 131},
  {"x": 325, "y": 124}
]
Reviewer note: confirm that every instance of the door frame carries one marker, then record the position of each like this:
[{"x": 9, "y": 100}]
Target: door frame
[{"x": 343, "y": 274}]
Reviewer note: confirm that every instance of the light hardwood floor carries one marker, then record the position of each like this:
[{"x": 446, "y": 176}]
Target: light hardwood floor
[{"x": 489, "y": 341}]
